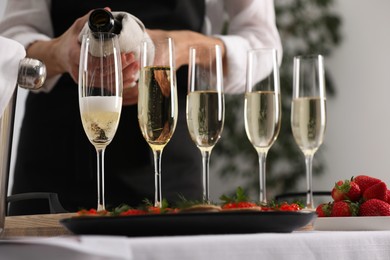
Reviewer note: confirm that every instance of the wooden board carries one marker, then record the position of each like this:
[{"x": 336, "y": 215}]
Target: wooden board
[{"x": 36, "y": 225}]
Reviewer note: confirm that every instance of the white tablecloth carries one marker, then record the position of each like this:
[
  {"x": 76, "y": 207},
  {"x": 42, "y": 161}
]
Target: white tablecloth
[{"x": 298, "y": 245}]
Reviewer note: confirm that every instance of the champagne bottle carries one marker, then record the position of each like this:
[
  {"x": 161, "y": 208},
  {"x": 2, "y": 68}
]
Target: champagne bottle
[{"x": 102, "y": 20}]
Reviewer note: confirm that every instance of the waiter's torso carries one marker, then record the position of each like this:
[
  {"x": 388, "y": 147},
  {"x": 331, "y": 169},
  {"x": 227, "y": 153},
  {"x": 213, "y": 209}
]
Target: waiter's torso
[{"x": 66, "y": 157}]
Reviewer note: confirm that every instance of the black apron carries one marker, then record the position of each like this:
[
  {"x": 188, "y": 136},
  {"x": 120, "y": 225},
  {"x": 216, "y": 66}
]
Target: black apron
[{"x": 54, "y": 154}]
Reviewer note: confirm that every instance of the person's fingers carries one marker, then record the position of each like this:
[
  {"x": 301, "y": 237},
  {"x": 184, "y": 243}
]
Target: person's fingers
[
  {"x": 127, "y": 59},
  {"x": 130, "y": 96},
  {"x": 130, "y": 75}
]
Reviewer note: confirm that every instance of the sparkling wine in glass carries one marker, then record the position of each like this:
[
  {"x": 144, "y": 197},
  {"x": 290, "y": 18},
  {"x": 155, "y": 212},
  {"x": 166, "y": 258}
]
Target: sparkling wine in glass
[
  {"x": 308, "y": 111},
  {"x": 205, "y": 103},
  {"x": 262, "y": 107},
  {"x": 157, "y": 101},
  {"x": 100, "y": 95}
]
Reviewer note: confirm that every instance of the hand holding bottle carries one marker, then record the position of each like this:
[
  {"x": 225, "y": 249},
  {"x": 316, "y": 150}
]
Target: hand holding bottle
[
  {"x": 61, "y": 55},
  {"x": 131, "y": 31}
]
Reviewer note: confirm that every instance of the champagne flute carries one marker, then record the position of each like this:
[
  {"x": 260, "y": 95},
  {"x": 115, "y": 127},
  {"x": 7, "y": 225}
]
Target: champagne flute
[
  {"x": 100, "y": 95},
  {"x": 308, "y": 111},
  {"x": 262, "y": 107},
  {"x": 205, "y": 103},
  {"x": 157, "y": 101}
]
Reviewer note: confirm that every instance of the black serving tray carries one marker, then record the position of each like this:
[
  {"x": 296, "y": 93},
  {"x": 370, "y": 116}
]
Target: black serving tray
[{"x": 225, "y": 222}]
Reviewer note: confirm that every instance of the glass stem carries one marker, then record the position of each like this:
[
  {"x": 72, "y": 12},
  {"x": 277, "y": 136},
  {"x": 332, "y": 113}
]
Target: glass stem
[
  {"x": 100, "y": 178},
  {"x": 157, "y": 178},
  {"x": 206, "y": 167},
  {"x": 262, "y": 178},
  {"x": 309, "y": 190}
]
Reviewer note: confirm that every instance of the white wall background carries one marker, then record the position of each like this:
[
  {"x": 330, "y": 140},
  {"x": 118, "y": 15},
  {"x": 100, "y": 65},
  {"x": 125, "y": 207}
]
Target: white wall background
[
  {"x": 358, "y": 131},
  {"x": 357, "y": 139}
]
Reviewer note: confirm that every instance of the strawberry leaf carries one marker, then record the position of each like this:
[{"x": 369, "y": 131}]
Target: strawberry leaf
[{"x": 240, "y": 196}]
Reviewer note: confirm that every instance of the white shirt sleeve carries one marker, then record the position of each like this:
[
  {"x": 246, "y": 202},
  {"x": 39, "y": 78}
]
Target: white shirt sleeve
[
  {"x": 28, "y": 21},
  {"x": 251, "y": 25}
]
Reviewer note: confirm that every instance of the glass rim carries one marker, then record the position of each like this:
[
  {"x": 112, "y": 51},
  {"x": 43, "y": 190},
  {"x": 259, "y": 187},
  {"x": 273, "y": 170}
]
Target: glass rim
[
  {"x": 205, "y": 46},
  {"x": 309, "y": 56}
]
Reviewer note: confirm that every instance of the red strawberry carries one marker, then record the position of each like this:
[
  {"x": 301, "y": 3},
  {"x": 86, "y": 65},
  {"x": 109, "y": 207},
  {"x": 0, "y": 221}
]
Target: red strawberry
[
  {"x": 346, "y": 190},
  {"x": 388, "y": 196},
  {"x": 240, "y": 200},
  {"x": 154, "y": 210},
  {"x": 365, "y": 181},
  {"x": 92, "y": 212},
  {"x": 374, "y": 207},
  {"x": 133, "y": 212},
  {"x": 344, "y": 209},
  {"x": 376, "y": 191},
  {"x": 240, "y": 205},
  {"x": 323, "y": 210},
  {"x": 284, "y": 206}
]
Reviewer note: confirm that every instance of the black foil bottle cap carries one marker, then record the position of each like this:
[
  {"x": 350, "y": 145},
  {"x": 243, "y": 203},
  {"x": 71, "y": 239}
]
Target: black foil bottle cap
[{"x": 101, "y": 20}]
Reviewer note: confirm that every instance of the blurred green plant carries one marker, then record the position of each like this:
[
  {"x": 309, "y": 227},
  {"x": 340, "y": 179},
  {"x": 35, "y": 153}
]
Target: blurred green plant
[{"x": 305, "y": 26}]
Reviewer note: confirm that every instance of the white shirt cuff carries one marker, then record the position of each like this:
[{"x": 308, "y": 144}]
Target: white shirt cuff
[{"x": 236, "y": 50}]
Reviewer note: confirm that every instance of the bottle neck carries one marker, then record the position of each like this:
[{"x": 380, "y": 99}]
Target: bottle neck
[{"x": 101, "y": 20}]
